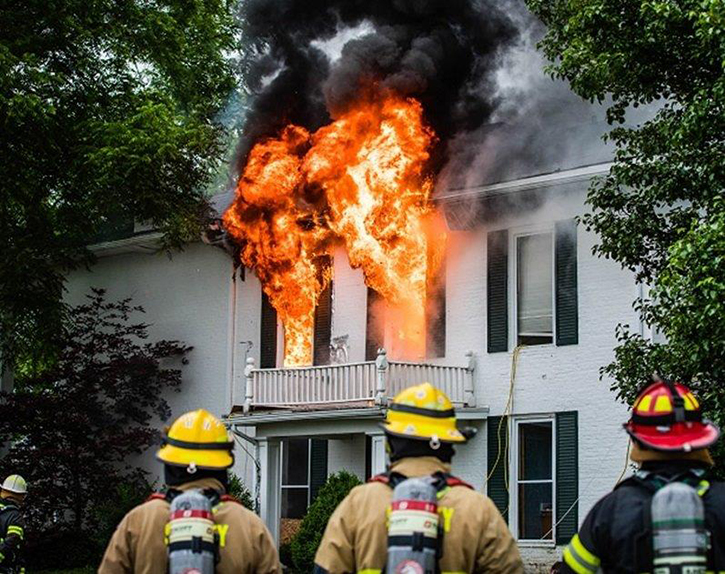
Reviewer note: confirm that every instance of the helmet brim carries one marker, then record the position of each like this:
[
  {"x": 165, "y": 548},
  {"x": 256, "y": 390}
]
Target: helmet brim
[
  {"x": 422, "y": 431},
  {"x": 207, "y": 459},
  {"x": 696, "y": 436}
]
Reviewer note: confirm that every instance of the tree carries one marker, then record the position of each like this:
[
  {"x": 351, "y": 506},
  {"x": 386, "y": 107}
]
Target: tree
[
  {"x": 109, "y": 115},
  {"x": 72, "y": 428},
  {"x": 660, "y": 211}
]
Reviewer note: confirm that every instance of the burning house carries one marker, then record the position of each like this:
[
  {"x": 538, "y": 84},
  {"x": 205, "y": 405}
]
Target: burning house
[{"x": 404, "y": 210}]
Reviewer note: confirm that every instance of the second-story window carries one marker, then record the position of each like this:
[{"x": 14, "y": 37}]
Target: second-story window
[
  {"x": 537, "y": 293},
  {"x": 535, "y": 289}
]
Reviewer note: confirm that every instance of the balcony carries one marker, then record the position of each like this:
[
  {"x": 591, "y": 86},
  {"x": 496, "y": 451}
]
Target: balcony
[{"x": 352, "y": 385}]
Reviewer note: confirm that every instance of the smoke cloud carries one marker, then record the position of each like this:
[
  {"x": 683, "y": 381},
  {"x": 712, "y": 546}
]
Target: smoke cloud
[{"x": 308, "y": 60}]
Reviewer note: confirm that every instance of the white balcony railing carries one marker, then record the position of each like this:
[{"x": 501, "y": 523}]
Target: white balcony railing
[{"x": 373, "y": 382}]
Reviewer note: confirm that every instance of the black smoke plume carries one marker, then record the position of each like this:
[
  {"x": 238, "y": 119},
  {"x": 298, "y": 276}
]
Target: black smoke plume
[{"x": 442, "y": 52}]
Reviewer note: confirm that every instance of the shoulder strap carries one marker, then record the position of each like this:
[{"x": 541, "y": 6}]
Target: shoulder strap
[
  {"x": 392, "y": 479},
  {"x": 157, "y": 496},
  {"x": 228, "y": 498},
  {"x": 455, "y": 481}
]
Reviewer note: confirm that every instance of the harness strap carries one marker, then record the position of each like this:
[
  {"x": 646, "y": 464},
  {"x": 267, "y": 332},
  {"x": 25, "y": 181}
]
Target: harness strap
[{"x": 392, "y": 479}]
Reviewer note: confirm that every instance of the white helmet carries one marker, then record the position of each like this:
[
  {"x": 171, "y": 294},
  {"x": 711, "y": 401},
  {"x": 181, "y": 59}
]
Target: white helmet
[{"x": 15, "y": 483}]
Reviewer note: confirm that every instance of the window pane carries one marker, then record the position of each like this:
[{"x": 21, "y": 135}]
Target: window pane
[
  {"x": 295, "y": 461},
  {"x": 294, "y": 502},
  {"x": 535, "y": 300},
  {"x": 535, "y": 511},
  {"x": 535, "y": 451}
]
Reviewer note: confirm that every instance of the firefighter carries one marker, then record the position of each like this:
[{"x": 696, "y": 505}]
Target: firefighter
[
  {"x": 670, "y": 444},
  {"x": 196, "y": 453},
  {"x": 12, "y": 526},
  {"x": 420, "y": 429}
]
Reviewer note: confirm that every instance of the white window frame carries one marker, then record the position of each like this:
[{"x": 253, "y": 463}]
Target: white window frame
[
  {"x": 283, "y": 446},
  {"x": 514, "y": 481},
  {"x": 514, "y": 236}
]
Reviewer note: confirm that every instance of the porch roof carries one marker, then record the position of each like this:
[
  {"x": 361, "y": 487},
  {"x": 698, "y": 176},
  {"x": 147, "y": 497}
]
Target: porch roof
[{"x": 341, "y": 412}]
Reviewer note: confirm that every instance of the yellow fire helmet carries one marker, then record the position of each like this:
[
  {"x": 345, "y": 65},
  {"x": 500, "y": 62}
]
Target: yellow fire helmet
[
  {"x": 197, "y": 439},
  {"x": 426, "y": 413}
]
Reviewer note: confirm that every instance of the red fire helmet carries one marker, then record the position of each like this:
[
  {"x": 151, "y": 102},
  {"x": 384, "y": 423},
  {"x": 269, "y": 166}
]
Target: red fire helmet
[{"x": 666, "y": 416}]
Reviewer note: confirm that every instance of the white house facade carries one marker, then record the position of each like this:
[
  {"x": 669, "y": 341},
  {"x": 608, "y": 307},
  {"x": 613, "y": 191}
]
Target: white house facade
[{"x": 529, "y": 318}]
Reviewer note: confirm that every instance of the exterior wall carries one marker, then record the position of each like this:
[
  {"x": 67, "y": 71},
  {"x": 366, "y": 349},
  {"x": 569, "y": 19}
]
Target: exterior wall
[
  {"x": 348, "y": 454},
  {"x": 187, "y": 297}
]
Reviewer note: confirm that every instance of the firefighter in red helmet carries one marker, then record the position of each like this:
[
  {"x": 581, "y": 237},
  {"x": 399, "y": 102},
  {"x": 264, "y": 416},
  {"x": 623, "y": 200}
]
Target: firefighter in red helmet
[{"x": 669, "y": 516}]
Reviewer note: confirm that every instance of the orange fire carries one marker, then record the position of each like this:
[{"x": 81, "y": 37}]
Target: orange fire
[{"x": 360, "y": 182}]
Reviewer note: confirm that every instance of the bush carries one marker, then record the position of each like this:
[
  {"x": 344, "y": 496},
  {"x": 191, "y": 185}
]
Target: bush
[
  {"x": 238, "y": 490},
  {"x": 305, "y": 543}
]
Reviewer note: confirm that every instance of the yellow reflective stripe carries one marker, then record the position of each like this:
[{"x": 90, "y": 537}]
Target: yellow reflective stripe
[
  {"x": 15, "y": 530},
  {"x": 584, "y": 553},
  {"x": 369, "y": 571},
  {"x": 574, "y": 564},
  {"x": 703, "y": 487}
]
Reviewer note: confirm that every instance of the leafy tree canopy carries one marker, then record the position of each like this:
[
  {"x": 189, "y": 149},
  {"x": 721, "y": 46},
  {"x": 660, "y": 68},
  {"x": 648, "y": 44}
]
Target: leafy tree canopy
[
  {"x": 109, "y": 112},
  {"x": 73, "y": 428},
  {"x": 660, "y": 212}
]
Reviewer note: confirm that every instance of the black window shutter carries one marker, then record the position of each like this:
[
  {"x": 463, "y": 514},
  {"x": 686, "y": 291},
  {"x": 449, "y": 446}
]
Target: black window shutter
[
  {"x": 374, "y": 333},
  {"x": 268, "y": 335},
  {"x": 567, "y": 475},
  {"x": 567, "y": 320},
  {"x": 497, "y": 288},
  {"x": 318, "y": 466},
  {"x": 435, "y": 344},
  {"x": 497, "y": 464},
  {"x": 323, "y": 327}
]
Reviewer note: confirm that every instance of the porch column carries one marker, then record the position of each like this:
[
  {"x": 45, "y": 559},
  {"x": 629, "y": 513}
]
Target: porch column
[
  {"x": 269, "y": 488},
  {"x": 378, "y": 456}
]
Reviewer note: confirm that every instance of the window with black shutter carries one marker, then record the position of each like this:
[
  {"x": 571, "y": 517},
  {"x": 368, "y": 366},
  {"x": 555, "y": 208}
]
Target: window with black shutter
[
  {"x": 268, "y": 335},
  {"x": 435, "y": 344},
  {"x": 497, "y": 454},
  {"x": 323, "y": 327},
  {"x": 567, "y": 475},
  {"x": 565, "y": 257},
  {"x": 497, "y": 291},
  {"x": 318, "y": 466}
]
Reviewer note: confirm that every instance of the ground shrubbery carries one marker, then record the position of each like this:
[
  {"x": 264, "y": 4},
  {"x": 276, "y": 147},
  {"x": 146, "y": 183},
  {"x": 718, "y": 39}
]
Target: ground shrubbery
[{"x": 304, "y": 544}]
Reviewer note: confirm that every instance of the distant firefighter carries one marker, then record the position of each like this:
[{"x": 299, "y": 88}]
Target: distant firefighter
[
  {"x": 417, "y": 517},
  {"x": 12, "y": 525},
  {"x": 192, "y": 526},
  {"x": 669, "y": 516}
]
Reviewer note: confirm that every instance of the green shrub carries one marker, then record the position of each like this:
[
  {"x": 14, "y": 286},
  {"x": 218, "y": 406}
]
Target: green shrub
[
  {"x": 238, "y": 490},
  {"x": 107, "y": 515},
  {"x": 305, "y": 542}
]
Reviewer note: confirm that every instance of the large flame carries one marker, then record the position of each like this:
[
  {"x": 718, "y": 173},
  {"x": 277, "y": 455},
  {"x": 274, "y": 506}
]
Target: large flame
[{"x": 361, "y": 182}]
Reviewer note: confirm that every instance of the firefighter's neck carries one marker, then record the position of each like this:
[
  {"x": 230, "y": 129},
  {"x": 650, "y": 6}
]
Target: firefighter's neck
[
  {"x": 419, "y": 466},
  {"x": 203, "y": 484}
]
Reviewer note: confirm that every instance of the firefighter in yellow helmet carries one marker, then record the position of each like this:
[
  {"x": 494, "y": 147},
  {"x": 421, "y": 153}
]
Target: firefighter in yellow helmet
[
  {"x": 196, "y": 453},
  {"x": 420, "y": 428},
  {"x": 12, "y": 525}
]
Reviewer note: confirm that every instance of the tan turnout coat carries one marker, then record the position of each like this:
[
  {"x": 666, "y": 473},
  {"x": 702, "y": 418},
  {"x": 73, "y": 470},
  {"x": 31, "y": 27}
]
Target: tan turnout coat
[
  {"x": 138, "y": 546},
  {"x": 476, "y": 537}
]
